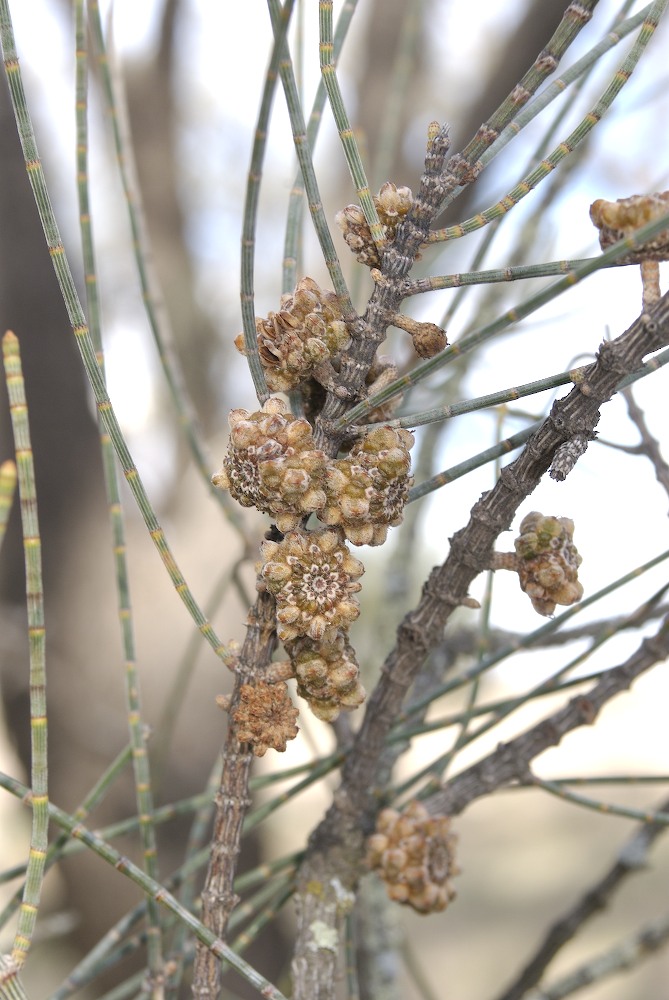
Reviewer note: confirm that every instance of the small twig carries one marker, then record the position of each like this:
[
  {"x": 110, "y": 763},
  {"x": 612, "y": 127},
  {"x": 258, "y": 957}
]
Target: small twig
[
  {"x": 510, "y": 761},
  {"x": 649, "y": 445},
  {"x": 630, "y": 860},
  {"x": 623, "y": 957}
]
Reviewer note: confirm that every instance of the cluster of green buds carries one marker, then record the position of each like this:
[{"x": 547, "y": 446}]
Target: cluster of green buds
[
  {"x": 546, "y": 561},
  {"x": 392, "y": 204},
  {"x": 299, "y": 341},
  {"x": 368, "y": 489},
  {"x": 413, "y": 852}
]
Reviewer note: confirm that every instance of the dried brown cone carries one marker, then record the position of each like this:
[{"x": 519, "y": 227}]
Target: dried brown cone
[
  {"x": 548, "y": 561},
  {"x": 328, "y": 675},
  {"x": 413, "y": 853},
  {"x": 617, "y": 219},
  {"x": 367, "y": 491},
  {"x": 272, "y": 464},
  {"x": 392, "y": 205},
  {"x": 265, "y": 717},
  {"x": 306, "y": 332},
  {"x": 313, "y": 577}
]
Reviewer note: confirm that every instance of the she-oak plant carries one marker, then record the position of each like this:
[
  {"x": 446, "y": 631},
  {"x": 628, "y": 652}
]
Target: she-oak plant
[{"x": 331, "y": 467}]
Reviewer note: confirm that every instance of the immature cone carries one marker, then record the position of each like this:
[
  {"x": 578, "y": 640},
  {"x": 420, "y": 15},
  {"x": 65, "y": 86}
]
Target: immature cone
[
  {"x": 367, "y": 490},
  {"x": 307, "y": 331},
  {"x": 413, "y": 853},
  {"x": 272, "y": 464},
  {"x": 313, "y": 577},
  {"x": 547, "y": 562},
  {"x": 328, "y": 675},
  {"x": 392, "y": 205},
  {"x": 265, "y": 717}
]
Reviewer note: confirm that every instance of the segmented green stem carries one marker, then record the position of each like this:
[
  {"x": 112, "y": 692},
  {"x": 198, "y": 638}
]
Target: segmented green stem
[
  {"x": 474, "y": 462},
  {"x": 578, "y": 71},
  {"x": 150, "y": 888},
  {"x": 346, "y": 136},
  {"x": 7, "y": 489},
  {"x": 251, "y": 205},
  {"x": 509, "y": 318},
  {"x": 32, "y": 548},
  {"x": 82, "y": 334},
  {"x": 11, "y": 987},
  {"x": 550, "y": 269},
  {"x": 136, "y": 729},
  {"x": 305, "y": 161},
  {"x": 296, "y": 199},
  {"x": 609, "y": 808},
  {"x": 57, "y": 849},
  {"x": 549, "y": 163},
  {"x": 575, "y": 18},
  {"x": 151, "y": 296}
]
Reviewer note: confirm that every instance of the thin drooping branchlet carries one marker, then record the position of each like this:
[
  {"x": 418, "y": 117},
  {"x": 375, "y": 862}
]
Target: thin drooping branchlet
[
  {"x": 568, "y": 145},
  {"x": 296, "y": 198},
  {"x": 251, "y": 199},
  {"x": 661, "y": 816},
  {"x": 576, "y": 73},
  {"x": 346, "y": 136},
  {"x": 150, "y": 888},
  {"x": 32, "y": 548},
  {"x": 81, "y": 330},
  {"x": 575, "y": 18},
  {"x": 57, "y": 849},
  {"x": 305, "y": 161},
  {"x": 132, "y": 684},
  {"x": 151, "y": 294}
]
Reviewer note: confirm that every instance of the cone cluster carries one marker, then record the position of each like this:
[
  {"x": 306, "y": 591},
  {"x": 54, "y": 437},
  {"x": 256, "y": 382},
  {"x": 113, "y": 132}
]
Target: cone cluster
[
  {"x": 392, "y": 205},
  {"x": 547, "y": 562},
  {"x": 413, "y": 852},
  {"x": 306, "y": 332}
]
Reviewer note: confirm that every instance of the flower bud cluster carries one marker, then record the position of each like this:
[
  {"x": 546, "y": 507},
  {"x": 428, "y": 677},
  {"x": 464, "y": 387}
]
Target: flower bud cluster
[
  {"x": 307, "y": 331},
  {"x": 547, "y": 562},
  {"x": 313, "y": 577},
  {"x": 367, "y": 491},
  {"x": 392, "y": 205},
  {"x": 272, "y": 464},
  {"x": 328, "y": 675},
  {"x": 617, "y": 219},
  {"x": 413, "y": 853}
]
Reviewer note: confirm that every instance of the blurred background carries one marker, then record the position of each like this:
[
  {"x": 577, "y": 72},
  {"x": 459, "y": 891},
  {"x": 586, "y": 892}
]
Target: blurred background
[{"x": 193, "y": 75}]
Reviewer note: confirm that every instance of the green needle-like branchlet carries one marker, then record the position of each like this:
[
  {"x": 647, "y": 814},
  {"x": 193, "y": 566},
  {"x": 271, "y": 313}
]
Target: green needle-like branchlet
[
  {"x": 136, "y": 728},
  {"x": 32, "y": 547},
  {"x": 82, "y": 333}
]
